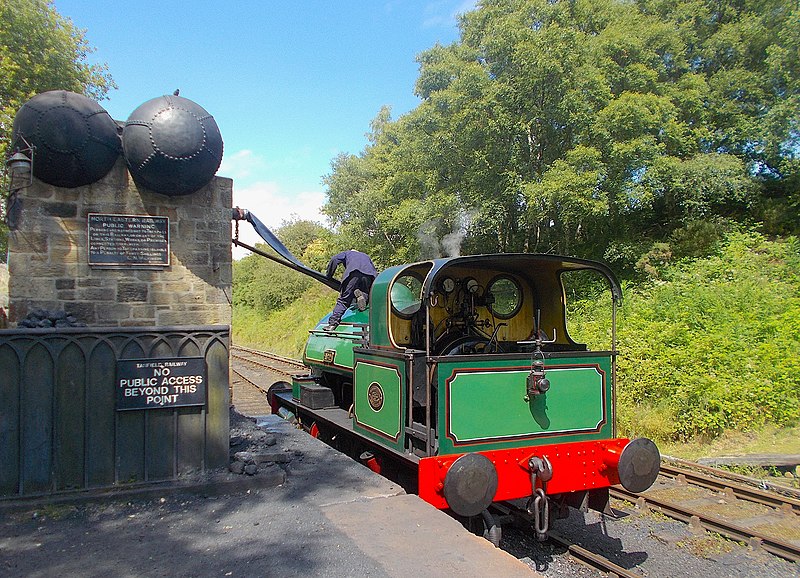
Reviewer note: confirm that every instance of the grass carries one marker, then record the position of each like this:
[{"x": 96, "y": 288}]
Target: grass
[
  {"x": 768, "y": 440},
  {"x": 284, "y": 331},
  {"x": 708, "y": 545}
]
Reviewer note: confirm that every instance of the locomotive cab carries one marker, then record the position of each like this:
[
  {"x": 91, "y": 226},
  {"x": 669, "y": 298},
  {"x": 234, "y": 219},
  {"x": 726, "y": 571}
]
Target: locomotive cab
[
  {"x": 475, "y": 305},
  {"x": 463, "y": 370}
]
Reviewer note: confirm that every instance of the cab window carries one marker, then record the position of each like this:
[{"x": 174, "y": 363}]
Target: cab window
[
  {"x": 506, "y": 297},
  {"x": 406, "y": 295}
]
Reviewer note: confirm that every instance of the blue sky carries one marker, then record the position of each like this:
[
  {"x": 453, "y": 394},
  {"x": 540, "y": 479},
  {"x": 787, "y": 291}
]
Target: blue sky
[{"x": 291, "y": 84}]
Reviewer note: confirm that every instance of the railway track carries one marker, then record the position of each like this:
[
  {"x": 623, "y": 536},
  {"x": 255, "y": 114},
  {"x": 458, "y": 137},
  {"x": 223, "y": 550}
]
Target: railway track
[
  {"x": 592, "y": 559},
  {"x": 704, "y": 497},
  {"x": 718, "y": 474},
  {"x": 277, "y": 363},
  {"x": 761, "y": 519},
  {"x": 508, "y": 511},
  {"x": 719, "y": 480},
  {"x": 253, "y": 372}
]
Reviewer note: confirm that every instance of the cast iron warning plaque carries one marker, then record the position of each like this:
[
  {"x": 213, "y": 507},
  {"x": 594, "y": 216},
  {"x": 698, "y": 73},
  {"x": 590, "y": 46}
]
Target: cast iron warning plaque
[
  {"x": 160, "y": 383},
  {"x": 128, "y": 240}
]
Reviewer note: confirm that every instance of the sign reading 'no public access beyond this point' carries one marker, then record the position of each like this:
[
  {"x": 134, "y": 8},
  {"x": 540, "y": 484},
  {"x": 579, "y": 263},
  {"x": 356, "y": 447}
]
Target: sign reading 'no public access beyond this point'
[
  {"x": 128, "y": 240},
  {"x": 161, "y": 383}
]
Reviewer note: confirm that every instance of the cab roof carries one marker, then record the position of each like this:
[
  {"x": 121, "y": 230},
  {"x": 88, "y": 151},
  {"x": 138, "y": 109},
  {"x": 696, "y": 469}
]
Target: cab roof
[{"x": 528, "y": 264}]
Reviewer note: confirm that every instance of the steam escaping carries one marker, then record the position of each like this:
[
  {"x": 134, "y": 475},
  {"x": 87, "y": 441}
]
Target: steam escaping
[
  {"x": 428, "y": 241},
  {"x": 450, "y": 245}
]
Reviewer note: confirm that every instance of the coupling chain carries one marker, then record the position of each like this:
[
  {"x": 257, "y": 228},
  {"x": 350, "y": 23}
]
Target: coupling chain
[{"x": 539, "y": 504}]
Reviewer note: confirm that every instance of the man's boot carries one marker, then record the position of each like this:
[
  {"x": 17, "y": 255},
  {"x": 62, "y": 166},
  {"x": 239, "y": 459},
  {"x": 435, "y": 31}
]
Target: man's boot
[{"x": 361, "y": 300}]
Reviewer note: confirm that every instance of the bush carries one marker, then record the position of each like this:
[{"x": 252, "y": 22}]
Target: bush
[
  {"x": 713, "y": 345},
  {"x": 264, "y": 286},
  {"x": 284, "y": 331}
]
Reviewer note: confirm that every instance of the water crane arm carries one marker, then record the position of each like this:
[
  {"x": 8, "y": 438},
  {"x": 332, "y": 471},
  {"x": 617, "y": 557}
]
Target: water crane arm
[{"x": 288, "y": 260}]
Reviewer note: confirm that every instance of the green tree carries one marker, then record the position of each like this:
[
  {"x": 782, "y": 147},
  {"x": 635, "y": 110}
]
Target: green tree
[
  {"x": 310, "y": 242},
  {"x": 591, "y": 127},
  {"x": 40, "y": 50},
  {"x": 265, "y": 286}
]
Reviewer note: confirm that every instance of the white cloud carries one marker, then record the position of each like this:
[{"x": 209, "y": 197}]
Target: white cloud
[
  {"x": 241, "y": 164},
  {"x": 273, "y": 207},
  {"x": 271, "y": 201}
]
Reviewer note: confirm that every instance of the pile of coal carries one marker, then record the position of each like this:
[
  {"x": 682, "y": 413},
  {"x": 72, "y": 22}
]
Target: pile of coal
[
  {"x": 39, "y": 318},
  {"x": 253, "y": 449}
]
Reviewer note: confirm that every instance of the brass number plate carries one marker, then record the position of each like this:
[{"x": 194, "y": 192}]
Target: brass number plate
[{"x": 328, "y": 356}]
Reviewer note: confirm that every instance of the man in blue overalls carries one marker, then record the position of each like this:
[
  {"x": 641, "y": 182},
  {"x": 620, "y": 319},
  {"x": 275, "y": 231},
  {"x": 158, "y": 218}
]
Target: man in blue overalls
[{"x": 359, "y": 273}]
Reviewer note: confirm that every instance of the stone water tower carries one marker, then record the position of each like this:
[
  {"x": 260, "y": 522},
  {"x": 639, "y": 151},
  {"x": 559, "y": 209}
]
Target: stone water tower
[{"x": 120, "y": 274}]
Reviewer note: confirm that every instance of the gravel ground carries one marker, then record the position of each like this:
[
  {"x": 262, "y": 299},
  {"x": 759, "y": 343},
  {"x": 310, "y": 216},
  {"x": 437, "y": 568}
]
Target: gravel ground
[
  {"x": 646, "y": 543},
  {"x": 649, "y": 544}
]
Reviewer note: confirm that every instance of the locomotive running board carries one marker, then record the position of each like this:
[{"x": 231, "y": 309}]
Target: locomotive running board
[{"x": 339, "y": 419}]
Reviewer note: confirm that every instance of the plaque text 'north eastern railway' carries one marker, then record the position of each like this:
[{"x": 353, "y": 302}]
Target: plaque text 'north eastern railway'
[{"x": 128, "y": 240}]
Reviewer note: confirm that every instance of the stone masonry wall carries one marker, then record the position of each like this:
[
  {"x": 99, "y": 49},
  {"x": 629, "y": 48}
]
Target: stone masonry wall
[
  {"x": 48, "y": 256},
  {"x": 3, "y": 285}
]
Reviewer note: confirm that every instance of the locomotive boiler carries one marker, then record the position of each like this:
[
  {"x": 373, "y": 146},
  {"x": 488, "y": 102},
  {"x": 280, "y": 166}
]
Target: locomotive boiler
[{"x": 463, "y": 371}]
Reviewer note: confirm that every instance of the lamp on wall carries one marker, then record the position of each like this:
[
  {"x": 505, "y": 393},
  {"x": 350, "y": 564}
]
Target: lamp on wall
[
  {"x": 19, "y": 168},
  {"x": 19, "y": 165}
]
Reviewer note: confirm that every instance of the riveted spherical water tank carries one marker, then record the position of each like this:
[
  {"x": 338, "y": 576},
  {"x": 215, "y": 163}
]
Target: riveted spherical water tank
[
  {"x": 172, "y": 145},
  {"x": 76, "y": 140}
]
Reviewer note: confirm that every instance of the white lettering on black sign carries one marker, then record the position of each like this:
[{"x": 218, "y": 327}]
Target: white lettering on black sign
[
  {"x": 158, "y": 383},
  {"x": 128, "y": 240}
]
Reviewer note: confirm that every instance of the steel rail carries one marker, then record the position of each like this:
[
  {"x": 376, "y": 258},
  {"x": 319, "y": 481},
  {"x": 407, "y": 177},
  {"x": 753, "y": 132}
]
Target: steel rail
[
  {"x": 286, "y": 360},
  {"x": 774, "y": 546},
  {"x": 250, "y": 381},
  {"x": 745, "y": 480},
  {"x": 741, "y": 491},
  {"x": 591, "y": 559},
  {"x": 282, "y": 371},
  {"x": 511, "y": 511},
  {"x": 270, "y": 364}
]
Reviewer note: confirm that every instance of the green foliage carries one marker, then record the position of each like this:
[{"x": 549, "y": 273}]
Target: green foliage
[
  {"x": 310, "y": 242},
  {"x": 263, "y": 286},
  {"x": 273, "y": 306},
  {"x": 713, "y": 345},
  {"x": 283, "y": 331},
  {"x": 40, "y": 50},
  {"x": 649, "y": 133},
  {"x": 589, "y": 128}
]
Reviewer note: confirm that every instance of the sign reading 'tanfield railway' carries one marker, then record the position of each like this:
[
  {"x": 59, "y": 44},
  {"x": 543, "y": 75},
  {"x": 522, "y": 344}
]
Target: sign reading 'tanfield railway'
[{"x": 160, "y": 383}]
